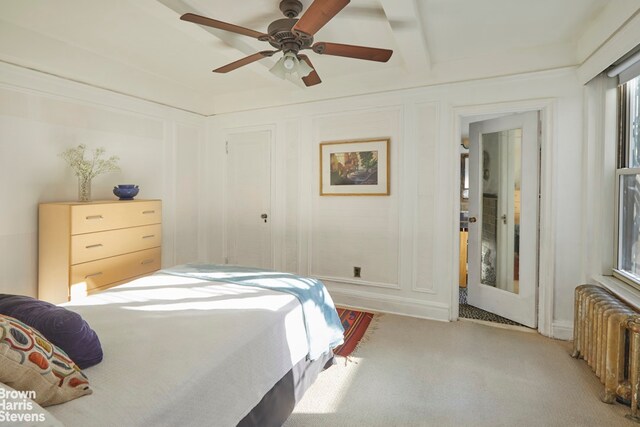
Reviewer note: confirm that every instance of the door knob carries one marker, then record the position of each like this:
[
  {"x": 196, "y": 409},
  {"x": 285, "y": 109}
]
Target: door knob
[
  {"x": 472, "y": 219},
  {"x": 264, "y": 216}
]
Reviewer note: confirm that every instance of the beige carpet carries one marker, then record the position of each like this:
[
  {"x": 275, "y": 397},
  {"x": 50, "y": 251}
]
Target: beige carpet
[{"x": 414, "y": 372}]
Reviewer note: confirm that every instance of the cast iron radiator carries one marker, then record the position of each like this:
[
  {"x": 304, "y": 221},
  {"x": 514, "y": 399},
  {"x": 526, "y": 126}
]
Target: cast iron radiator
[{"x": 606, "y": 334}]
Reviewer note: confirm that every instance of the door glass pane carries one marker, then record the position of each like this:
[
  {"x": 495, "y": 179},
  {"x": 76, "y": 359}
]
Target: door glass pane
[
  {"x": 501, "y": 178},
  {"x": 629, "y": 228},
  {"x": 489, "y": 265},
  {"x": 515, "y": 142}
]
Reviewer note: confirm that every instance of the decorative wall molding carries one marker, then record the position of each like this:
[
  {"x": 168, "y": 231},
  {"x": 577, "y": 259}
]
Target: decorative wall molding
[
  {"x": 430, "y": 291},
  {"x": 415, "y": 196},
  {"x": 396, "y": 189},
  {"x": 351, "y": 281},
  {"x": 36, "y": 82}
]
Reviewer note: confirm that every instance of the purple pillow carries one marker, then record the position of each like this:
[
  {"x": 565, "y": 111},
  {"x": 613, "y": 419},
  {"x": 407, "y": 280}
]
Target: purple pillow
[{"x": 62, "y": 327}]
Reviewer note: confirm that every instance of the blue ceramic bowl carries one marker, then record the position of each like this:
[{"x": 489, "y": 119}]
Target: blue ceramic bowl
[{"x": 126, "y": 191}]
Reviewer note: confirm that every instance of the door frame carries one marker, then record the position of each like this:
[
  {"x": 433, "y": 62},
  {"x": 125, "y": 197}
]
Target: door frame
[
  {"x": 274, "y": 209},
  {"x": 546, "y": 217}
]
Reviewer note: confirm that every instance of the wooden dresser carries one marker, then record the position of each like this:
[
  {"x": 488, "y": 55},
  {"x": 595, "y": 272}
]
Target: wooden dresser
[{"x": 87, "y": 247}]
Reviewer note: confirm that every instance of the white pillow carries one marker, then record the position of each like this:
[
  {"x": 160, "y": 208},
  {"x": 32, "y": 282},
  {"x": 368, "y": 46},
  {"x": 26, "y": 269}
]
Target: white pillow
[{"x": 16, "y": 409}]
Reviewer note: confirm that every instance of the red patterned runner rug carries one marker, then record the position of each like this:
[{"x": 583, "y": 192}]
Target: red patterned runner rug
[{"x": 355, "y": 324}]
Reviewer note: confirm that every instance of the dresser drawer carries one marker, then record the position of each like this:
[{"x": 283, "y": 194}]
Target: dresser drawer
[
  {"x": 90, "y": 218},
  {"x": 104, "y": 244},
  {"x": 105, "y": 271}
]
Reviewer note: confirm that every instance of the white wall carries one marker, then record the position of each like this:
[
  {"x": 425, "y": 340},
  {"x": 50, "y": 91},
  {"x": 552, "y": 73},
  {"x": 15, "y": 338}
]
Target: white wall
[
  {"x": 41, "y": 115},
  {"x": 406, "y": 243}
]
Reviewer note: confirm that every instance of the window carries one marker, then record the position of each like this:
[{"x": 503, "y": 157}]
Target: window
[{"x": 628, "y": 184}]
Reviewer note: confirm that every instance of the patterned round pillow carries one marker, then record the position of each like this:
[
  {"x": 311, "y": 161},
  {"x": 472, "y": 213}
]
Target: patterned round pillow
[{"x": 28, "y": 362}]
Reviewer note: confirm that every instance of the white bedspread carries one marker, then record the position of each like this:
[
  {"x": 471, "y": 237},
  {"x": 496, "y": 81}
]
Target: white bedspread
[{"x": 180, "y": 351}]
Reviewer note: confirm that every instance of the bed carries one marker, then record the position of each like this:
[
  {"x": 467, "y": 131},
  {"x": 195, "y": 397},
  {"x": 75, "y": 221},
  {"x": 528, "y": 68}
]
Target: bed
[{"x": 197, "y": 349}]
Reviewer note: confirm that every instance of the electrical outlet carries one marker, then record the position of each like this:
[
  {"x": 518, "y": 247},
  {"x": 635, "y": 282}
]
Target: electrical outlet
[{"x": 356, "y": 271}]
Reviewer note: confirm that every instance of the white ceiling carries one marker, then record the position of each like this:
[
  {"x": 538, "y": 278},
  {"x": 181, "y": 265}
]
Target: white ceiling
[{"x": 142, "y": 48}]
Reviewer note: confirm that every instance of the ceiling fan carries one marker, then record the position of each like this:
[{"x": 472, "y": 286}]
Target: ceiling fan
[{"x": 291, "y": 35}]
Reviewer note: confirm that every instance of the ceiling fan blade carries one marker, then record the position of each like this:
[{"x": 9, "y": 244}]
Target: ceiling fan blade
[
  {"x": 350, "y": 51},
  {"x": 312, "y": 78},
  {"x": 244, "y": 61},
  {"x": 317, "y": 15},
  {"x": 208, "y": 22}
]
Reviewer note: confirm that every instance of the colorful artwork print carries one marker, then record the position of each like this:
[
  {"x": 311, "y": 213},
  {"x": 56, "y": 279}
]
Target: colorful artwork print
[{"x": 355, "y": 168}]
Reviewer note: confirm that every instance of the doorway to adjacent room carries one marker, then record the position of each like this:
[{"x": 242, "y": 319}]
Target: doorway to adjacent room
[{"x": 499, "y": 196}]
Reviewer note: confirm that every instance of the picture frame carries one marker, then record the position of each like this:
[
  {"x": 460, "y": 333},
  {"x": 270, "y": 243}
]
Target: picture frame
[{"x": 355, "y": 168}]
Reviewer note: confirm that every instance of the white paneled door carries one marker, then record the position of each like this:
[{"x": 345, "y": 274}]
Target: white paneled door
[
  {"x": 248, "y": 222},
  {"x": 503, "y": 216}
]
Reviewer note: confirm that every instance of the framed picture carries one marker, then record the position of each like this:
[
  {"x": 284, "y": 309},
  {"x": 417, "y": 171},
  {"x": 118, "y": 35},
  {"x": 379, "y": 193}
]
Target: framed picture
[{"x": 354, "y": 168}]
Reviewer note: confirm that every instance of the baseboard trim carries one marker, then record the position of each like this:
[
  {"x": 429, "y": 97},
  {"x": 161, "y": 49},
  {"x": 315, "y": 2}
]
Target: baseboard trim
[
  {"x": 391, "y": 304},
  {"x": 562, "y": 330}
]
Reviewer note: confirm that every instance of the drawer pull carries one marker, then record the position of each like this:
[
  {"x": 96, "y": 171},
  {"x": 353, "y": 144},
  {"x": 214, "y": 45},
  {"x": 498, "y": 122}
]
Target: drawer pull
[
  {"x": 149, "y": 236},
  {"x": 148, "y": 212},
  {"x": 147, "y": 261},
  {"x": 93, "y": 274},
  {"x": 94, "y": 217},
  {"x": 97, "y": 245}
]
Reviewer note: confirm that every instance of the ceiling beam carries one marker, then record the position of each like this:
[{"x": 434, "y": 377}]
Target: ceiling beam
[{"x": 406, "y": 23}]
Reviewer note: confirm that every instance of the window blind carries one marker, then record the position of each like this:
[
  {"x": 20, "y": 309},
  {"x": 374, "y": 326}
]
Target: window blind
[{"x": 627, "y": 68}]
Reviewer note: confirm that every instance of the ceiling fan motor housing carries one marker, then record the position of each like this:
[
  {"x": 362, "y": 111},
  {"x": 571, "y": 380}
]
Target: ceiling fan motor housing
[
  {"x": 281, "y": 36},
  {"x": 290, "y": 8}
]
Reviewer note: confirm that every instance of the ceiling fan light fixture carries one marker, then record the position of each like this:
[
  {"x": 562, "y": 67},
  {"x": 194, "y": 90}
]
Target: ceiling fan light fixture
[
  {"x": 304, "y": 69},
  {"x": 278, "y": 69},
  {"x": 290, "y": 65},
  {"x": 289, "y": 62}
]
